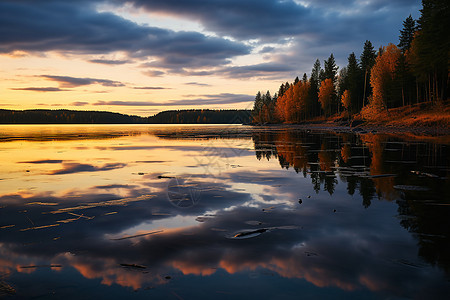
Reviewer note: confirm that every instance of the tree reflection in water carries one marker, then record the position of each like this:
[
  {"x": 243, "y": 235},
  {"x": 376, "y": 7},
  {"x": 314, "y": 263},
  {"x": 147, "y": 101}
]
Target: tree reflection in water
[
  {"x": 94, "y": 211},
  {"x": 375, "y": 164}
]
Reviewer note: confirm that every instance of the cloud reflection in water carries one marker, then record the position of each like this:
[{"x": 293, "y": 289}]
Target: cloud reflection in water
[{"x": 108, "y": 231}]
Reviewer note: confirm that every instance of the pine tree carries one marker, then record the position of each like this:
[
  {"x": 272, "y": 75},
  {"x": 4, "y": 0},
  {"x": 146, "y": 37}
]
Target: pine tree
[
  {"x": 330, "y": 68},
  {"x": 354, "y": 80},
  {"x": 407, "y": 34},
  {"x": 342, "y": 81},
  {"x": 433, "y": 42},
  {"x": 367, "y": 59},
  {"x": 314, "y": 82},
  {"x": 305, "y": 78},
  {"x": 267, "y": 98},
  {"x": 257, "y": 107},
  {"x": 403, "y": 80},
  {"x": 281, "y": 90}
]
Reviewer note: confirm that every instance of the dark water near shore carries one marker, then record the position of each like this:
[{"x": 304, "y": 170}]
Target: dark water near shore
[{"x": 220, "y": 212}]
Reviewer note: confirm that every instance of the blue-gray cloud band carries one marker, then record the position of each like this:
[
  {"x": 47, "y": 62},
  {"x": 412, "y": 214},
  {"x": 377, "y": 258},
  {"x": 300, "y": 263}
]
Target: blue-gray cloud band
[{"x": 310, "y": 30}]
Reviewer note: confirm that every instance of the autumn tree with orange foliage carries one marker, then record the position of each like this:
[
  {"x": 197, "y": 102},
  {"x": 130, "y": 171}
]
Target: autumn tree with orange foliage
[
  {"x": 417, "y": 71},
  {"x": 345, "y": 99},
  {"x": 382, "y": 76},
  {"x": 326, "y": 94},
  {"x": 292, "y": 106}
]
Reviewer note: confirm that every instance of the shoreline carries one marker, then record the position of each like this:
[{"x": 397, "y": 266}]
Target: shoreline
[{"x": 416, "y": 132}]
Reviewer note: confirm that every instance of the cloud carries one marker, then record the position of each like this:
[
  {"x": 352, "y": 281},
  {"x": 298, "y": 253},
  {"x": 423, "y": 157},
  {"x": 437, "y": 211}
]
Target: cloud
[
  {"x": 259, "y": 70},
  {"x": 70, "y": 168},
  {"x": 71, "y": 82},
  {"x": 212, "y": 99},
  {"x": 150, "y": 88},
  {"x": 267, "y": 49},
  {"x": 44, "y": 161},
  {"x": 301, "y": 30},
  {"x": 289, "y": 33},
  {"x": 153, "y": 73},
  {"x": 272, "y": 19},
  {"x": 77, "y": 27},
  {"x": 79, "y": 103},
  {"x": 197, "y": 84},
  {"x": 40, "y": 89},
  {"x": 109, "y": 61}
]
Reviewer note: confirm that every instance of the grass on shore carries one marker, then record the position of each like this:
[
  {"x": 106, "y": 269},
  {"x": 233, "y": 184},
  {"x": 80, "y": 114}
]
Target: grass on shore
[{"x": 425, "y": 114}]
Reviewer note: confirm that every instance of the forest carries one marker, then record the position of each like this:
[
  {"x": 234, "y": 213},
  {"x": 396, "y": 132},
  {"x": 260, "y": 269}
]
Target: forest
[
  {"x": 203, "y": 116},
  {"x": 413, "y": 72},
  {"x": 64, "y": 116}
]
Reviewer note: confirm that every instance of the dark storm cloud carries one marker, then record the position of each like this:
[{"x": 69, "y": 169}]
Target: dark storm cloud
[
  {"x": 40, "y": 89},
  {"x": 79, "y": 28},
  {"x": 224, "y": 98},
  {"x": 70, "y": 82}
]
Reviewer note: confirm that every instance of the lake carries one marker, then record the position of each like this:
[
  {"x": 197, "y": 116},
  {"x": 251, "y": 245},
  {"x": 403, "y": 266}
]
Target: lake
[{"x": 220, "y": 212}]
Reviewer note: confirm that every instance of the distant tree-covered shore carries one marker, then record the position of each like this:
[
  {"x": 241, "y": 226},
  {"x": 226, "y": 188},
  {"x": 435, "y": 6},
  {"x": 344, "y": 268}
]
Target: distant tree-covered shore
[{"x": 64, "y": 116}]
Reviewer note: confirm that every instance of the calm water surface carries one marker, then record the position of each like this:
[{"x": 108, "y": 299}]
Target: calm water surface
[{"x": 220, "y": 212}]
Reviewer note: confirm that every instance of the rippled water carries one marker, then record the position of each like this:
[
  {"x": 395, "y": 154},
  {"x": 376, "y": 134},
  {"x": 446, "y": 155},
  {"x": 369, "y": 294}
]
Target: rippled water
[{"x": 220, "y": 212}]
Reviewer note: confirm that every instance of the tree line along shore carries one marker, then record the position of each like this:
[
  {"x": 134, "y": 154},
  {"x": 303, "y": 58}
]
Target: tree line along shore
[
  {"x": 64, "y": 116},
  {"x": 408, "y": 77}
]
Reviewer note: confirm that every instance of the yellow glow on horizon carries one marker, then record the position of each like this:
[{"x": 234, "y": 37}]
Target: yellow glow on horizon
[{"x": 26, "y": 70}]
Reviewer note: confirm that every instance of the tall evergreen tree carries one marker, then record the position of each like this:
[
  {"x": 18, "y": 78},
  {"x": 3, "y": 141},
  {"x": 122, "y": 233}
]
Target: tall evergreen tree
[
  {"x": 305, "y": 78},
  {"x": 330, "y": 68},
  {"x": 342, "y": 81},
  {"x": 367, "y": 58},
  {"x": 407, "y": 34},
  {"x": 257, "y": 107},
  {"x": 267, "y": 98},
  {"x": 322, "y": 76},
  {"x": 433, "y": 42},
  {"x": 330, "y": 72},
  {"x": 404, "y": 82},
  {"x": 354, "y": 81},
  {"x": 314, "y": 87},
  {"x": 342, "y": 84},
  {"x": 281, "y": 90}
]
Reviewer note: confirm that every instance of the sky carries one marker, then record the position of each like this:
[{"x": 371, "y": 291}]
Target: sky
[{"x": 141, "y": 57}]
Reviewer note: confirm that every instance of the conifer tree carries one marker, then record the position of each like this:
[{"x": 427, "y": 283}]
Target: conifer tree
[
  {"x": 305, "y": 78},
  {"x": 367, "y": 61},
  {"x": 407, "y": 34},
  {"x": 354, "y": 80},
  {"x": 433, "y": 42},
  {"x": 314, "y": 82},
  {"x": 330, "y": 68}
]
